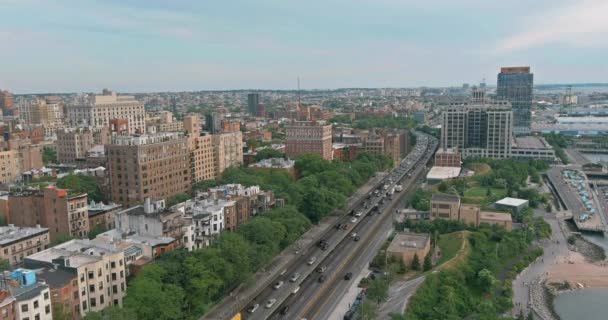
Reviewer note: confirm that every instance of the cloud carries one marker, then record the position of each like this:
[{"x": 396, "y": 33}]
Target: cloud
[{"x": 581, "y": 24}]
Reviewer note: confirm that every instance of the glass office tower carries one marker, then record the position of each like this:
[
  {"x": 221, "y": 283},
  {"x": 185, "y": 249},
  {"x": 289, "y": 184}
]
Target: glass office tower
[{"x": 515, "y": 85}]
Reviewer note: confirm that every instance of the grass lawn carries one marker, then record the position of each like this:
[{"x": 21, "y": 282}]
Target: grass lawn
[
  {"x": 480, "y": 192},
  {"x": 450, "y": 244}
]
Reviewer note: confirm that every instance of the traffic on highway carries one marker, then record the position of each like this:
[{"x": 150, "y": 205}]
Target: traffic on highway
[{"x": 293, "y": 292}]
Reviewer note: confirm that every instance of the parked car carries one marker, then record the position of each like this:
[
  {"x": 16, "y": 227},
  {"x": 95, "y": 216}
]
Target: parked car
[
  {"x": 353, "y": 220},
  {"x": 270, "y": 303},
  {"x": 294, "y": 277},
  {"x": 322, "y": 278},
  {"x": 311, "y": 260},
  {"x": 295, "y": 290},
  {"x": 278, "y": 284},
  {"x": 348, "y": 276},
  {"x": 321, "y": 269},
  {"x": 285, "y": 310},
  {"x": 346, "y": 226},
  {"x": 253, "y": 308},
  {"x": 357, "y": 238}
]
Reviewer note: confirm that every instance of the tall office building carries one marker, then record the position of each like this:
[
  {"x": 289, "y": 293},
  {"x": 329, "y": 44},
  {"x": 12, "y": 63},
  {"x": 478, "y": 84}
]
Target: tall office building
[
  {"x": 515, "y": 85},
  {"x": 308, "y": 137},
  {"x": 213, "y": 122},
  {"x": 148, "y": 165},
  {"x": 253, "y": 99},
  {"x": 478, "y": 130},
  {"x": 101, "y": 110}
]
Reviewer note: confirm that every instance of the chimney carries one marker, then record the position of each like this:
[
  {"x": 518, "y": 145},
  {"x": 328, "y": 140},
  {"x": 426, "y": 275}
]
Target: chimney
[{"x": 147, "y": 205}]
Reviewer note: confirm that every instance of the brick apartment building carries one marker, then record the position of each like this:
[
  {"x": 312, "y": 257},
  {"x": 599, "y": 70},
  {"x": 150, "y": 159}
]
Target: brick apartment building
[
  {"x": 148, "y": 165},
  {"x": 52, "y": 208},
  {"x": 309, "y": 137}
]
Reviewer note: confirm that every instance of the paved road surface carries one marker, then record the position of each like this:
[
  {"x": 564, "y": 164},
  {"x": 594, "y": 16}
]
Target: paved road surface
[{"x": 552, "y": 250}]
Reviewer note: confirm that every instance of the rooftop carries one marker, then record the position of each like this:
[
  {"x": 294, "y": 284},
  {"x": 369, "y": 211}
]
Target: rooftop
[
  {"x": 55, "y": 278},
  {"x": 279, "y": 163},
  {"x": 495, "y": 216},
  {"x": 11, "y": 234},
  {"x": 442, "y": 173},
  {"x": 409, "y": 242},
  {"x": 78, "y": 252},
  {"x": 445, "y": 197},
  {"x": 532, "y": 143},
  {"x": 100, "y": 207},
  {"x": 512, "y": 202}
]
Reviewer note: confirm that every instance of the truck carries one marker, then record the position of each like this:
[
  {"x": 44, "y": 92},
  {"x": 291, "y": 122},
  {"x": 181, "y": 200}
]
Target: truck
[{"x": 398, "y": 188}]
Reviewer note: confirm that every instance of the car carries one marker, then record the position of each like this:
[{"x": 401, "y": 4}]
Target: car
[
  {"x": 325, "y": 246},
  {"x": 278, "y": 284},
  {"x": 321, "y": 269},
  {"x": 252, "y": 308},
  {"x": 321, "y": 243},
  {"x": 348, "y": 276},
  {"x": 357, "y": 238},
  {"x": 358, "y": 214},
  {"x": 295, "y": 290},
  {"x": 353, "y": 220},
  {"x": 270, "y": 303},
  {"x": 353, "y": 235},
  {"x": 338, "y": 226},
  {"x": 311, "y": 260},
  {"x": 346, "y": 226},
  {"x": 322, "y": 278},
  {"x": 294, "y": 277},
  {"x": 285, "y": 310}
]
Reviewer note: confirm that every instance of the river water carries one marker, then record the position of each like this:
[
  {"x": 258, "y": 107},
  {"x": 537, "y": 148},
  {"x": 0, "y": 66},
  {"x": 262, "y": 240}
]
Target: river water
[{"x": 586, "y": 304}]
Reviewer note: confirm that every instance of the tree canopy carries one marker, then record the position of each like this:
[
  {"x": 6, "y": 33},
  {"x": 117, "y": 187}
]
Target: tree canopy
[{"x": 80, "y": 183}]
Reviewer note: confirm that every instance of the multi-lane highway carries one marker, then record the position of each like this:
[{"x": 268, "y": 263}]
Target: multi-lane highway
[{"x": 321, "y": 270}]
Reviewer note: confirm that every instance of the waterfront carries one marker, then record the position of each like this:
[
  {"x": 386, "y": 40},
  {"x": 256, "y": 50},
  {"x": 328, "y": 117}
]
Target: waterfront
[{"x": 585, "y": 304}]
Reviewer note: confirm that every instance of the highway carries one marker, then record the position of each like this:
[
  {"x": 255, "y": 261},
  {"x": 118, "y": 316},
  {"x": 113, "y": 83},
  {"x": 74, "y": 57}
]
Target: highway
[{"x": 342, "y": 251}]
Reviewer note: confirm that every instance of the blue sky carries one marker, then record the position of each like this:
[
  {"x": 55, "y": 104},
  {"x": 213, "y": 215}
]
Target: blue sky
[{"x": 151, "y": 45}]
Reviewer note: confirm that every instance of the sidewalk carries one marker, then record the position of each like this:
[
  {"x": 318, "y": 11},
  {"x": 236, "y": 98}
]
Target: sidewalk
[{"x": 238, "y": 298}]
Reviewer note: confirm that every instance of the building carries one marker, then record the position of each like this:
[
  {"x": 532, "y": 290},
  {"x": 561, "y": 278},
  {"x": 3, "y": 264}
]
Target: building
[
  {"x": 253, "y": 99},
  {"x": 531, "y": 147},
  {"x": 438, "y": 174},
  {"x": 99, "y": 110},
  {"x": 468, "y": 213},
  {"x": 213, "y": 122},
  {"x": 163, "y": 121},
  {"x": 47, "y": 112},
  {"x": 19, "y": 242},
  {"x": 309, "y": 137},
  {"x": 227, "y": 151},
  {"x": 102, "y": 215},
  {"x": 32, "y": 297},
  {"x": 444, "y": 206},
  {"x": 512, "y": 204},
  {"x": 7, "y": 304},
  {"x": 10, "y": 166},
  {"x": 63, "y": 286},
  {"x": 448, "y": 157},
  {"x": 406, "y": 245},
  {"x": 202, "y": 158},
  {"x": 63, "y": 213},
  {"x": 149, "y": 165},
  {"x": 153, "y": 220},
  {"x": 497, "y": 218},
  {"x": 99, "y": 269},
  {"x": 6, "y": 100},
  {"x": 478, "y": 130},
  {"x": 515, "y": 85},
  {"x": 73, "y": 144}
]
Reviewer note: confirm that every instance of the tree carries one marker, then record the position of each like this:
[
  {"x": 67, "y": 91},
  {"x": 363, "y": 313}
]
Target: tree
[
  {"x": 178, "y": 198},
  {"x": 96, "y": 230},
  {"x": 489, "y": 192},
  {"x": 530, "y": 316},
  {"x": 268, "y": 153},
  {"x": 443, "y": 187},
  {"x": 4, "y": 265},
  {"x": 428, "y": 263},
  {"x": 487, "y": 280},
  {"x": 416, "y": 262},
  {"x": 368, "y": 311},
  {"x": 49, "y": 155},
  {"x": 80, "y": 183},
  {"x": 59, "y": 312},
  {"x": 378, "y": 289}
]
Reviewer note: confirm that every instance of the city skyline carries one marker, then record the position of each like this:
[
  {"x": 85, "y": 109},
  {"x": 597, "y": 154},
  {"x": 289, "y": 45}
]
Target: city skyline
[{"x": 144, "y": 46}]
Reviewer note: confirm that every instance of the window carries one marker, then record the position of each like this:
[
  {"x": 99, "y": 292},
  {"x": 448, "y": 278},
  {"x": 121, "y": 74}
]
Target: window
[
  {"x": 75, "y": 295},
  {"x": 93, "y": 303},
  {"x": 122, "y": 287},
  {"x": 24, "y": 308},
  {"x": 101, "y": 301},
  {"x": 84, "y": 305},
  {"x": 47, "y": 309},
  {"x": 92, "y": 288},
  {"x": 36, "y": 304},
  {"x": 122, "y": 274},
  {"x": 113, "y": 276},
  {"x": 113, "y": 264},
  {"x": 91, "y": 275},
  {"x": 46, "y": 296},
  {"x": 115, "y": 289},
  {"x": 37, "y": 316}
]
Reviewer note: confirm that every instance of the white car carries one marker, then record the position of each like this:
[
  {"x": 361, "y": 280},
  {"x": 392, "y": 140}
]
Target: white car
[
  {"x": 354, "y": 234},
  {"x": 295, "y": 290},
  {"x": 270, "y": 303},
  {"x": 353, "y": 220},
  {"x": 294, "y": 277},
  {"x": 358, "y": 214},
  {"x": 278, "y": 285},
  {"x": 312, "y": 260}
]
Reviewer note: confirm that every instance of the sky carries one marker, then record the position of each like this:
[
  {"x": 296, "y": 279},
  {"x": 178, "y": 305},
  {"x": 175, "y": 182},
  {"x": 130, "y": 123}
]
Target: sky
[{"x": 179, "y": 45}]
